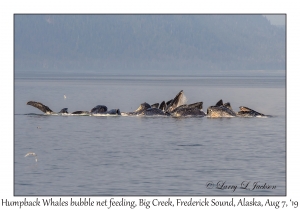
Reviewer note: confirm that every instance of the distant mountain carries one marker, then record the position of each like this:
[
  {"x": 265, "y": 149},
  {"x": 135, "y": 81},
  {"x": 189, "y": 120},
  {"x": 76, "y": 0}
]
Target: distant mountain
[{"x": 145, "y": 42}]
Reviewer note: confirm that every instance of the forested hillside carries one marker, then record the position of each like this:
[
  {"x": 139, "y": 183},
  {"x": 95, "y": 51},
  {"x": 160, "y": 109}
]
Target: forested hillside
[{"x": 145, "y": 42}]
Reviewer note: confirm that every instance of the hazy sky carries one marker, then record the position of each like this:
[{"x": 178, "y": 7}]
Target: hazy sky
[{"x": 276, "y": 19}]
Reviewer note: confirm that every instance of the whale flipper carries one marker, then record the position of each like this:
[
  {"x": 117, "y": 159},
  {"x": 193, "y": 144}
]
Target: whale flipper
[{"x": 40, "y": 106}]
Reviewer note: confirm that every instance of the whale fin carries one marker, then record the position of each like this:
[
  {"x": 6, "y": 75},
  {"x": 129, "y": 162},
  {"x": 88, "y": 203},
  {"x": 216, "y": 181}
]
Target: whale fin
[
  {"x": 40, "y": 106},
  {"x": 64, "y": 111}
]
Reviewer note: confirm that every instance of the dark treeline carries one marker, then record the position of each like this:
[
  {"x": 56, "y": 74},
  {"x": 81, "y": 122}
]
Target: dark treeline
[{"x": 139, "y": 42}]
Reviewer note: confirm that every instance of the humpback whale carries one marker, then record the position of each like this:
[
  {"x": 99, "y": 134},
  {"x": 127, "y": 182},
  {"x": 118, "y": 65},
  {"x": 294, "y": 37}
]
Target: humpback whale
[
  {"x": 225, "y": 110},
  {"x": 99, "y": 109},
  {"x": 247, "y": 112},
  {"x": 220, "y": 110},
  {"x": 143, "y": 107},
  {"x": 184, "y": 110}
]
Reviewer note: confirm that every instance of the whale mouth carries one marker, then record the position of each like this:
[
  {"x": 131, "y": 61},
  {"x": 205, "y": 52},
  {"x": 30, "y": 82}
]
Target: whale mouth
[
  {"x": 144, "y": 106},
  {"x": 179, "y": 100}
]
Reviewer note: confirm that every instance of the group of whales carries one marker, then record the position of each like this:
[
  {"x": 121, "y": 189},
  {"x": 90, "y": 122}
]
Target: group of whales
[{"x": 174, "y": 107}]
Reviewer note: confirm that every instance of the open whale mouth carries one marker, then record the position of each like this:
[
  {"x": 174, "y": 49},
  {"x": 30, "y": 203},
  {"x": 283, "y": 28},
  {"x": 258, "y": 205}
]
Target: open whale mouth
[{"x": 179, "y": 100}]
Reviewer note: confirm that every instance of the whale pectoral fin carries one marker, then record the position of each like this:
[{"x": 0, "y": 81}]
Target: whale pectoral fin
[{"x": 40, "y": 106}]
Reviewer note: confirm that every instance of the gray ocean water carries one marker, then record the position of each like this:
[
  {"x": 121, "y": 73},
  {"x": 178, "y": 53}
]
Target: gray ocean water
[{"x": 88, "y": 155}]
